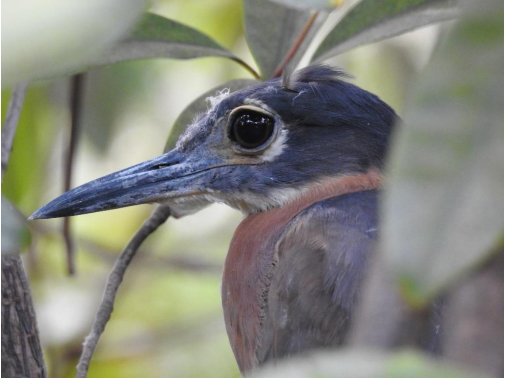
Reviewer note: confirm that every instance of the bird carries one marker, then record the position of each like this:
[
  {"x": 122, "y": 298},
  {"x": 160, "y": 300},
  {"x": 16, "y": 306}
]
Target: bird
[{"x": 302, "y": 157}]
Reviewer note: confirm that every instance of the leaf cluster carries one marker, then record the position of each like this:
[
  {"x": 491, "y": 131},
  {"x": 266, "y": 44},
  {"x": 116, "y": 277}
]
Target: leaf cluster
[{"x": 442, "y": 209}]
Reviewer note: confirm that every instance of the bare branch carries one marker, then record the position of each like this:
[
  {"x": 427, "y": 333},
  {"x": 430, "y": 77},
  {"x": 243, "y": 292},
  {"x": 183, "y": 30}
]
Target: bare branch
[
  {"x": 11, "y": 122},
  {"x": 76, "y": 101},
  {"x": 21, "y": 352},
  {"x": 158, "y": 217}
]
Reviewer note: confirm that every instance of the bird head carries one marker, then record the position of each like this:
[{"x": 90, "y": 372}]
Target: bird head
[{"x": 254, "y": 149}]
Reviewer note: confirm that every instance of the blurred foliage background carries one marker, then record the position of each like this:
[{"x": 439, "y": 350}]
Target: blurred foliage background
[{"x": 167, "y": 319}]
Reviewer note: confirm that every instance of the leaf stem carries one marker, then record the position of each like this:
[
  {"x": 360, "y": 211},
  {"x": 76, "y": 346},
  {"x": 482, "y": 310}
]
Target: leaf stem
[
  {"x": 158, "y": 217},
  {"x": 11, "y": 122},
  {"x": 76, "y": 105},
  {"x": 247, "y": 67},
  {"x": 296, "y": 45}
]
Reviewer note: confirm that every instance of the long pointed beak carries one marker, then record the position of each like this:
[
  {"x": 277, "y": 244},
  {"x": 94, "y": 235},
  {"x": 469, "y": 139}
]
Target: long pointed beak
[{"x": 165, "y": 177}]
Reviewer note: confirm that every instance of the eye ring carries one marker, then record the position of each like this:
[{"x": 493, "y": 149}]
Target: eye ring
[{"x": 251, "y": 128}]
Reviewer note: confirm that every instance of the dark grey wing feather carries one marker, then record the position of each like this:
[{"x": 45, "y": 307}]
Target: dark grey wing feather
[{"x": 321, "y": 259}]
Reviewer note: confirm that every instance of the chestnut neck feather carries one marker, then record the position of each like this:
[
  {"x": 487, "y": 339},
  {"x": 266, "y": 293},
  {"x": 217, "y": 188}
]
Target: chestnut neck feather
[{"x": 250, "y": 262}]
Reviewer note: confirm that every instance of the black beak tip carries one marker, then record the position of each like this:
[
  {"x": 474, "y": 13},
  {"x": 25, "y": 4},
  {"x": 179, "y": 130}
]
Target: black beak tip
[
  {"x": 34, "y": 216},
  {"x": 53, "y": 210},
  {"x": 138, "y": 184},
  {"x": 40, "y": 214}
]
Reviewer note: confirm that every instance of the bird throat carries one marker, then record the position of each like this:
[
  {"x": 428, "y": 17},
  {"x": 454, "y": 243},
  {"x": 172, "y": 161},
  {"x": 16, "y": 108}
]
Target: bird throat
[{"x": 251, "y": 261}]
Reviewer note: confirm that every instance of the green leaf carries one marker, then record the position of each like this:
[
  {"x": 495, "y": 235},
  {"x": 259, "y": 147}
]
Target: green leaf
[
  {"x": 272, "y": 29},
  {"x": 15, "y": 232},
  {"x": 33, "y": 144},
  {"x": 443, "y": 208},
  {"x": 310, "y": 4},
  {"x": 363, "y": 363},
  {"x": 48, "y": 38},
  {"x": 199, "y": 106},
  {"x": 158, "y": 37},
  {"x": 108, "y": 94},
  {"x": 372, "y": 21}
]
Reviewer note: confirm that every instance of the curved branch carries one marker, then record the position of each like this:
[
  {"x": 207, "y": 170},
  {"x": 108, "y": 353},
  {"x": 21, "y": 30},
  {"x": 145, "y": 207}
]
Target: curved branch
[
  {"x": 251, "y": 70},
  {"x": 11, "y": 122},
  {"x": 158, "y": 217},
  {"x": 76, "y": 105}
]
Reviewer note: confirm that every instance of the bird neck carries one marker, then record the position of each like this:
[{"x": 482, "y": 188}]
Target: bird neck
[
  {"x": 332, "y": 187},
  {"x": 250, "y": 262}
]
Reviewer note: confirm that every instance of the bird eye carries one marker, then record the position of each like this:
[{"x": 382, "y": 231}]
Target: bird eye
[{"x": 251, "y": 129}]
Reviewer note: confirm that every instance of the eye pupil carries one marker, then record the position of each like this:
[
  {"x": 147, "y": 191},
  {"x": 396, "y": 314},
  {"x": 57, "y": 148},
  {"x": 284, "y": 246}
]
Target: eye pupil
[{"x": 252, "y": 129}]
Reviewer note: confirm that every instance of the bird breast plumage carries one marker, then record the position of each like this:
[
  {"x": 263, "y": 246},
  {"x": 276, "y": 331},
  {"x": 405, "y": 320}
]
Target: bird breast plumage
[{"x": 251, "y": 260}]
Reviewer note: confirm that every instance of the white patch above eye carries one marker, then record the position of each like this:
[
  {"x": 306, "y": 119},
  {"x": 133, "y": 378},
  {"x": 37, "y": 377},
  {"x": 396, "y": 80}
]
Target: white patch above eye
[{"x": 259, "y": 104}]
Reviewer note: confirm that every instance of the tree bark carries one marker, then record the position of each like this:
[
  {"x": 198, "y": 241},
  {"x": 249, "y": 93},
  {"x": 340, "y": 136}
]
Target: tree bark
[{"x": 21, "y": 351}]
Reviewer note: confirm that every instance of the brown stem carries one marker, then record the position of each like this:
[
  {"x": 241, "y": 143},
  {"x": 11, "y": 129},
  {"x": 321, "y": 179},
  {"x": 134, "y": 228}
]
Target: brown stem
[
  {"x": 296, "y": 45},
  {"x": 76, "y": 101},
  {"x": 248, "y": 68},
  {"x": 11, "y": 122},
  {"x": 158, "y": 217}
]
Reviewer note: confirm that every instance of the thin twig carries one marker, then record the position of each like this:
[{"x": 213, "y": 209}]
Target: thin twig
[
  {"x": 76, "y": 102},
  {"x": 158, "y": 217},
  {"x": 11, "y": 122},
  {"x": 248, "y": 68},
  {"x": 296, "y": 45}
]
